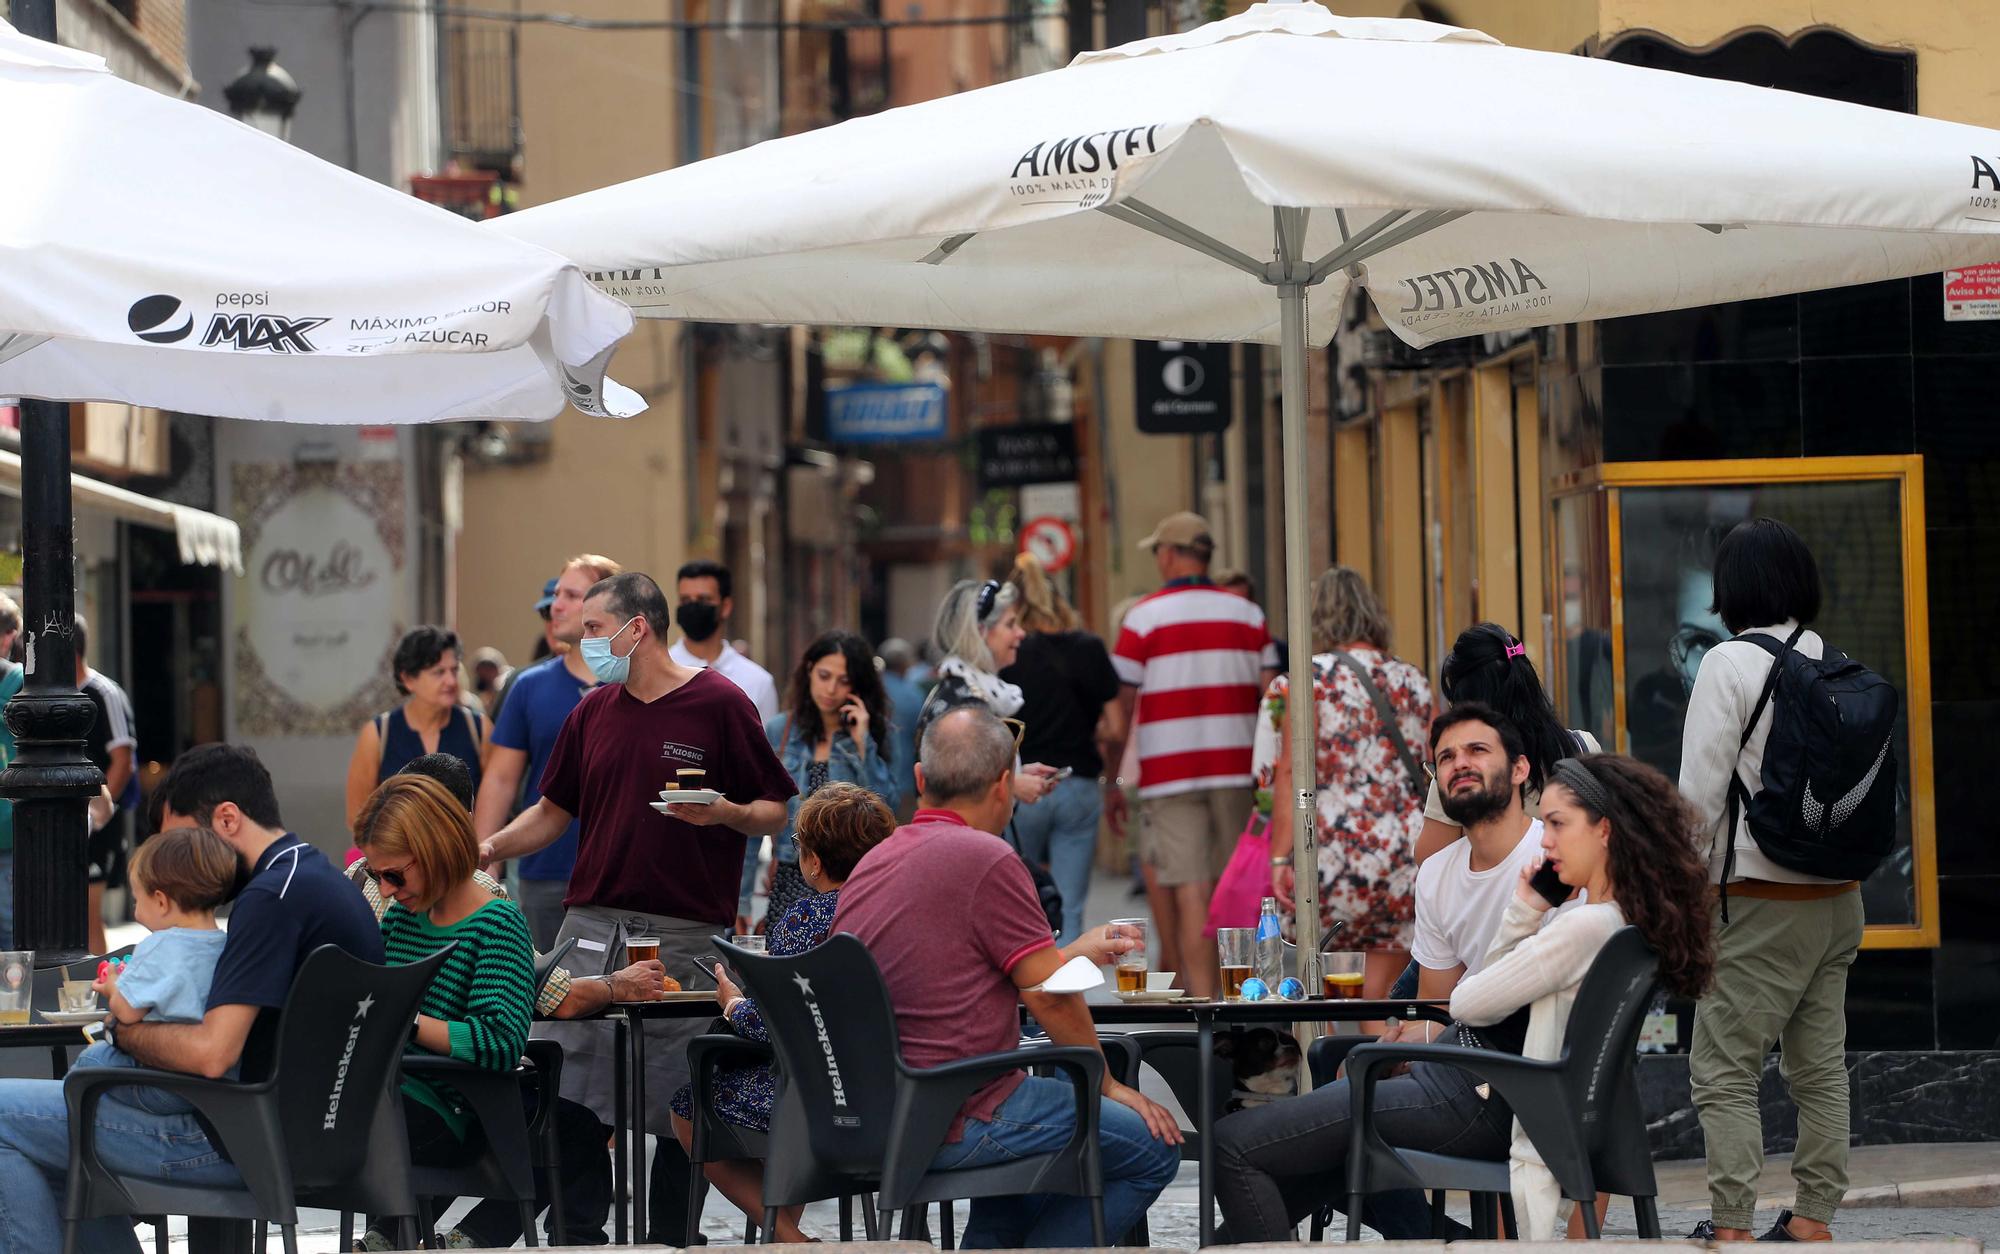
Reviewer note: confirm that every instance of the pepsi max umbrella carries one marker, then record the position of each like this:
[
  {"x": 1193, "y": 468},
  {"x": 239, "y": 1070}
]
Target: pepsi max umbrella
[
  {"x": 1206, "y": 185},
  {"x": 162, "y": 254}
]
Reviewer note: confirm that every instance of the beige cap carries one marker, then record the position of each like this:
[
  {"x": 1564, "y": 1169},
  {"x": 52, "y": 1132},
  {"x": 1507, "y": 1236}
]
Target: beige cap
[{"x": 1185, "y": 530}]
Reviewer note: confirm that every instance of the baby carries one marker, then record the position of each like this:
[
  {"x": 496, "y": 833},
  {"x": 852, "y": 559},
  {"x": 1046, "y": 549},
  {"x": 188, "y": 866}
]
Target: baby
[{"x": 178, "y": 879}]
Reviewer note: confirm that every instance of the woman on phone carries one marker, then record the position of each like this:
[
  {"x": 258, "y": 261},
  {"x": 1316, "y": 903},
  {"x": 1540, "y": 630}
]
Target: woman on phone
[{"x": 835, "y": 731}]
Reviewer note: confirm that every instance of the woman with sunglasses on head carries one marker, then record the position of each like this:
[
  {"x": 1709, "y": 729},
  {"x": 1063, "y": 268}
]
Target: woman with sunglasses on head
[
  {"x": 979, "y": 634},
  {"x": 1613, "y": 828}
]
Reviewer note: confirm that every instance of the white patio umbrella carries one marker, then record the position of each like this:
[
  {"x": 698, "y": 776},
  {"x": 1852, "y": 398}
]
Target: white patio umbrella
[
  {"x": 162, "y": 254},
  {"x": 1199, "y": 186}
]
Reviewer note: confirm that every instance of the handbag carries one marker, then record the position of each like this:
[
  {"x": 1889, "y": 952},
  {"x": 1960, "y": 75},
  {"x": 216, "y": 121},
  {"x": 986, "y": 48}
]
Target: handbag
[
  {"x": 1387, "y": 713},
  {"x": 1246, "y": 881}
]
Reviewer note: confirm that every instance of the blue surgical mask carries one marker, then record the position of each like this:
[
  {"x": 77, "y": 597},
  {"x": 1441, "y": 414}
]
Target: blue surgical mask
[{"x": 603, "y": 663}]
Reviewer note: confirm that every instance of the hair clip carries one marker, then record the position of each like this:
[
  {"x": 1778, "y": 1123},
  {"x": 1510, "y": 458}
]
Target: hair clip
[{"x": 1517, "y": 649}]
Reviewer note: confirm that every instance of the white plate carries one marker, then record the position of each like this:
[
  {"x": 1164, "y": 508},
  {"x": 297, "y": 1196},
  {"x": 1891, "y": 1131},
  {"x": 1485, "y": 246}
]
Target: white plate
[
  {"x": 1152, "y": 994},
  {"x": 70, "y": 1016},
  {"x": 686, "y": 797}
]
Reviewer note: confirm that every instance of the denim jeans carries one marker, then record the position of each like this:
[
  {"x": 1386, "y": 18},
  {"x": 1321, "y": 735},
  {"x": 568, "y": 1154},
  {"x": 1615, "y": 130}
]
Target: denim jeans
[
  {"x": 1060, "y": 832},
  {"x": 1275, "y": 1164},
  {"x": 34, "y": 1162},
  {"x": 1038, "y": 1118},
  {"x": 151, "y": 1100}
]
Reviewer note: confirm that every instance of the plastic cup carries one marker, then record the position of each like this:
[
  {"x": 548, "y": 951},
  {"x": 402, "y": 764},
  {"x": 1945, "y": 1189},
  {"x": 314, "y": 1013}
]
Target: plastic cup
[
  {"x": 1131, "y": 968},
  {"x": 1341, "y": 974},
  {"x": 1237, "y": 948},
  {"x": 17, "y": 984}
]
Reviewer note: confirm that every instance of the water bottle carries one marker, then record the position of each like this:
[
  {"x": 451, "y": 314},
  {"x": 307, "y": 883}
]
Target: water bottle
[{"x": 1270, "y": 944}]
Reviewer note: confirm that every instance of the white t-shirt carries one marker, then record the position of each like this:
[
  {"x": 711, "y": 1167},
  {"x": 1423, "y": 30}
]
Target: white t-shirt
[
  {"x": 753, "y": 679},
  {"x": 1459, "y": 909}
]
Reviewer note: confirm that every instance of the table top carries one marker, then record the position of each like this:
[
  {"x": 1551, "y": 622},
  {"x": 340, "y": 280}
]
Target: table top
[
  {"x": 1315, "y": 1010},
  {"x": 40, "y": 1035},
  {"x": 684, "y": 1008}
]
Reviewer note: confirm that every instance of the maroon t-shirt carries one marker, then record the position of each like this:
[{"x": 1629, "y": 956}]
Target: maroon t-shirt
[
  {"x": 611, "y": 759},
  {"x": 947, "y": 911}
]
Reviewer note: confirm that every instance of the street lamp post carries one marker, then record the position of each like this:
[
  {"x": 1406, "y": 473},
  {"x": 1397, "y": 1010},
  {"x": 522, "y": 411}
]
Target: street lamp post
[
  {"x": 265, "y": 95},
  {"x": 50, "y": 780}
]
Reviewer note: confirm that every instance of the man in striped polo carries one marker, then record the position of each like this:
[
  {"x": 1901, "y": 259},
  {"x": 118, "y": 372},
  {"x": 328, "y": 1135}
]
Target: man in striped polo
[{"x": 1195, "y": 660}]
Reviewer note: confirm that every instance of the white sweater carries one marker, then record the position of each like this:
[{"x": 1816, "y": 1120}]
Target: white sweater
[
  {"x": 1538, "y": 967},
  {"x": 1726, "y": 690}
]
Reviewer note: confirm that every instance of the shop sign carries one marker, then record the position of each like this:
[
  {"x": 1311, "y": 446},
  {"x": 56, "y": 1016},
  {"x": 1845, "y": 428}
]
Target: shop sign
[
  {"x": 1972, "y": 294},
  {"x": 1183, "y": 387},
  {"x": 1013, "y": 457},
  {"x": 885, "y": 413}
]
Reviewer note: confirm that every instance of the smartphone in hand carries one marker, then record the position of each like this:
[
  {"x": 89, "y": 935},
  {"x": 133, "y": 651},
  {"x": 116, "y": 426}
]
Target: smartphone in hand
[{"x": 1546, "y": 882}]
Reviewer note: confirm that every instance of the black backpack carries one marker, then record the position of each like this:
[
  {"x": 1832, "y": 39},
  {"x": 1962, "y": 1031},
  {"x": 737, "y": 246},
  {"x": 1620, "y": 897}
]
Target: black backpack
[{"x": 1828, "y": 802}]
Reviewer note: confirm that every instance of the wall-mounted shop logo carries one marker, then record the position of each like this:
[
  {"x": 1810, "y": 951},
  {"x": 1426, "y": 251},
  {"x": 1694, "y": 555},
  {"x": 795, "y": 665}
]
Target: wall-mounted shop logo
[
  {"x": 160, "y": 320},
  {"x": 270, "y": 333},
  {"x": 1087, "y": 154},
  {"x": 1496, "y": 287}
]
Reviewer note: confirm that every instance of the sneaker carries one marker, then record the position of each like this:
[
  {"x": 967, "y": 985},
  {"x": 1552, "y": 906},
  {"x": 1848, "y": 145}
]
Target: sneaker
[
  {"x": 1782, "y": 1231},
  {"x": 457, "y": 1240},
  {"x": 1703, "y": 1231},
  {"x": 372, "y": 1240}
]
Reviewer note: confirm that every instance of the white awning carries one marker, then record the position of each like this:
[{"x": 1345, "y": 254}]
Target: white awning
[{"x": 205, "y": 539}]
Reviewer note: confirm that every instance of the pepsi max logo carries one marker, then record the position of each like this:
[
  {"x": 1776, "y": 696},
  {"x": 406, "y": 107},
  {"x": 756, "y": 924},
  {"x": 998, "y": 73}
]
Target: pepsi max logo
[{"x": 160, "y": 320}]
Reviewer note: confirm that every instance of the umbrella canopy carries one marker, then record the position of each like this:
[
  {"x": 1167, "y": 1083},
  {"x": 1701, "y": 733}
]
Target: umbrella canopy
[
  {"x": 162, "y": 254},
  {"x": 1199, "y": 185}
]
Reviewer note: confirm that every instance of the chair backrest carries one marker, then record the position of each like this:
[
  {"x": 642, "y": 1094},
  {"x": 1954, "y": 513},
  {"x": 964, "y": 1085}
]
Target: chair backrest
[
  {"x": 1602, "y": 1039},
  {"x": 546, "y": 964},
  {"x": 834, "y": 1033},
  {"x": 340, "y": 1046}
]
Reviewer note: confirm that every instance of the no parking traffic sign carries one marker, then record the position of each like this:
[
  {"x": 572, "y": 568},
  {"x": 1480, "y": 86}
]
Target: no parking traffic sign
[{"x": 1051, "y": 540}]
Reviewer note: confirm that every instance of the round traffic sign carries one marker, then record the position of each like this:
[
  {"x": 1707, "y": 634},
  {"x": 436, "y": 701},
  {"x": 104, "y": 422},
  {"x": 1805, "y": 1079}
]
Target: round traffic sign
[{"x": 1051, "y": 540}]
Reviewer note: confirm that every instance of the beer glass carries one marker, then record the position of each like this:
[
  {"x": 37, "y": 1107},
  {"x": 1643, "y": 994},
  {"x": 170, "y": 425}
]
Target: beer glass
[
  {"x": 1131, "y": 966},
  {"x": 641, "y": 949},
  {"x": 17, "y": 984},
  {"x": 1237, "y": 947},
  {"x": 1341, "y": 973}
]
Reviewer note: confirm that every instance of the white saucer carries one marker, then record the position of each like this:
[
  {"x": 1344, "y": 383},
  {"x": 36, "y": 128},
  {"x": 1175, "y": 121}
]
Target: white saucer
[
  {"x": 1152, "y": 994},
  {"x": 70, "y": 1016},
  {"x": 686, "y": 797}
]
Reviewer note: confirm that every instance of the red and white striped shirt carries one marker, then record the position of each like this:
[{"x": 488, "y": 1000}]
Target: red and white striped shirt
[{"x": 1197, "y": 656}]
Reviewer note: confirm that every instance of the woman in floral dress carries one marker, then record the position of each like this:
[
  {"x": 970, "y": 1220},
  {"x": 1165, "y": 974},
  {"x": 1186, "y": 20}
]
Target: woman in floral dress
[
  {"x": 1371, "y": 804},
  {"x": 835, "y": 826}
]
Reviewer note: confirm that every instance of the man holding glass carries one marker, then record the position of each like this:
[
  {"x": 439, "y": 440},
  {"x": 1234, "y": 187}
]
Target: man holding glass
[{"x": 951, "y": 916}]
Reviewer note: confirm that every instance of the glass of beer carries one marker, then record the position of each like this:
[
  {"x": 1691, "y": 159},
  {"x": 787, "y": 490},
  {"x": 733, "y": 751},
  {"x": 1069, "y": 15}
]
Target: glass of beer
[
  {"x": 1237, "y": 947},
  {"x": 1341, "y": 973},
  {"x": 17, "y": 984},
  {"x": 1130, "y": 969},
  {"x": 641, "y": 949}
]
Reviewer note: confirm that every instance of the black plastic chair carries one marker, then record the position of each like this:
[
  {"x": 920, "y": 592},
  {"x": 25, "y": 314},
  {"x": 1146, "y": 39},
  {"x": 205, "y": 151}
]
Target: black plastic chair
[
  {"x": 1176, "y": 1055},
  {"x": 852, "y": 1116},
  {"x": 1581, "y": 1110},
  {"x": 322, "y": 1129},
  {"x": 715, "y": 1139},
  {"x": 546, "y": 964}
]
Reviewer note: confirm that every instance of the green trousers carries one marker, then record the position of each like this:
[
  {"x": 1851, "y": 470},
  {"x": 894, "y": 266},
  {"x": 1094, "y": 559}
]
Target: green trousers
[{"x": 1780, "y": 978}]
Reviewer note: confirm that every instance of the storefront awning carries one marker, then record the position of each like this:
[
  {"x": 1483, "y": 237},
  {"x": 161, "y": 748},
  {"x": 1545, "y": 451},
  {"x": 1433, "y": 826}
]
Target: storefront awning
[{"x": 205, "y": 539}]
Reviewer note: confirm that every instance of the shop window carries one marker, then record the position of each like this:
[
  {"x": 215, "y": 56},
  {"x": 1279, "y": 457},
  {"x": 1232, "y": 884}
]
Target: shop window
[{"x": 1636, "y": 545}]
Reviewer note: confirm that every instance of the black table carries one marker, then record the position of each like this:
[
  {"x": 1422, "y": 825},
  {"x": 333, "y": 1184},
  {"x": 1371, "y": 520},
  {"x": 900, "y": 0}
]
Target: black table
[
  {"x": 1205, "y": 1015},
  {"x": 630, "y": 1047},
  {"x": 57, "y": 1038}
]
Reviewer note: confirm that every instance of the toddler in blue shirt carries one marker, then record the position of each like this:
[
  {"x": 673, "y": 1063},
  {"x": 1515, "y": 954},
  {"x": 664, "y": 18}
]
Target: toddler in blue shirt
[{"x": 178, "y": 879}]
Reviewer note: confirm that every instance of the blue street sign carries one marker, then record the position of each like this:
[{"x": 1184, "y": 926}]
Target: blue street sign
[{"x": 885, "y": 413}]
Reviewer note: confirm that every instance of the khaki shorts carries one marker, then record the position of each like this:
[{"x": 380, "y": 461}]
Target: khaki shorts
[{"x": 1187, "y": 838}]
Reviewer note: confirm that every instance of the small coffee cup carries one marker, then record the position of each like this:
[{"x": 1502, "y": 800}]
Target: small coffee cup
[{"x": 1160, "y": 981}]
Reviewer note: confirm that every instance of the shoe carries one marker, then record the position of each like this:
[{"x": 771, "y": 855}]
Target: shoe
[
  {"x": 457, "y": 1240},
  {"x": 372, "y": 1240},
  {"x": 1782, "y": 1231},
  {"x": 1703, "y": 1231}
]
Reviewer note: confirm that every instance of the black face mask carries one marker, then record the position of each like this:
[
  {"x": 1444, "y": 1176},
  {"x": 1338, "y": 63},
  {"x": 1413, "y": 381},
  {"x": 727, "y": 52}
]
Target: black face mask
[{"x": 698, "y": 619}]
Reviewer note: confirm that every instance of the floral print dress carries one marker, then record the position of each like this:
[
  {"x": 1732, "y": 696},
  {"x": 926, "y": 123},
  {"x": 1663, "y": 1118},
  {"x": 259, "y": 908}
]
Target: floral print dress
[
  {"x": 743, "y": 1095},
  {"x": 1370, "y": 810}
]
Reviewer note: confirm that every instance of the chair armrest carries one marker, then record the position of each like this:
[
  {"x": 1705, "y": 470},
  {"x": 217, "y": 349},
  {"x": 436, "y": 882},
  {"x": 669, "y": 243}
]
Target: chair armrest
[
  {"x": 494, "y": 1096},
  {"x": 709, "y": 1053},
  {"x": 1531, "y": 1087},
  {"x": 244, "y": 1117},
  {"x": 928, "y": 1102}
]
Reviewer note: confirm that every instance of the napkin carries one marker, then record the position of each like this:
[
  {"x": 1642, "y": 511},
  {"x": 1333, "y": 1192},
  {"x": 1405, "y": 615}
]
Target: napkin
[{"x": 1078, "y": 975}]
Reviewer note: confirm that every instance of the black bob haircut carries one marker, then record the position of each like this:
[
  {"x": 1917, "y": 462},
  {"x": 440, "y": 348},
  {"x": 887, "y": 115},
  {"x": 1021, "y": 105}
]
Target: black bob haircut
[
  {"x": 702, "y": 568},
  {"x": 1764, "y": 575},
  {"x": 420, "y": 649}
]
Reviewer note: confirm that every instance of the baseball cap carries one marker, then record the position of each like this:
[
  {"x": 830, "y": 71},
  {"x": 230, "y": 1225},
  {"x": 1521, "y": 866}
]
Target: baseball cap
[
  {"x": 1185, "y": 530},
  {"x": 548, "y": 597}
]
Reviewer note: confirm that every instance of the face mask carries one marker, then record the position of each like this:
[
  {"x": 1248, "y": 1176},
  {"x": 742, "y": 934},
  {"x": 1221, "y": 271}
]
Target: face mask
[
  {"x": 698, "y": 619},
  {"x": 603, "y": 663}
]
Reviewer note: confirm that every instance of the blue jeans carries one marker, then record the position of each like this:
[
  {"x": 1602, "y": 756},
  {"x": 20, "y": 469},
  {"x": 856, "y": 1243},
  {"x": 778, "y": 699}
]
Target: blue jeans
[
  {"x": 1038, "y": 1119},
  {"x": 34, "y": 1163},
  {"x": 1060, "y": 832}
]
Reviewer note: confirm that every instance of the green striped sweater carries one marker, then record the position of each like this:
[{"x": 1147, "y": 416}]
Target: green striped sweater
[{"x": 485, "y": 992}]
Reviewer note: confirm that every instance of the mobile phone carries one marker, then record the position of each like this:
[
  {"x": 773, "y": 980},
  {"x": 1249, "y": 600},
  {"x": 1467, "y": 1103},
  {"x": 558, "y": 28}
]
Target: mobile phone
[
  {"x": 710, "y": 968},
  {"x": 847, "y": 713},
  {"x": 1550, "y": 885},
  {"x": 1062, "y": 775}
]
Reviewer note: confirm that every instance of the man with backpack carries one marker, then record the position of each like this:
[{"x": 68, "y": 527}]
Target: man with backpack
[{"x": 1788, "y": 758}]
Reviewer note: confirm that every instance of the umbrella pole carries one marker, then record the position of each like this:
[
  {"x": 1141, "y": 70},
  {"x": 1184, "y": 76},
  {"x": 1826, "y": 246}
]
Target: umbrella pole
[{"x": 1300, "y": 708}]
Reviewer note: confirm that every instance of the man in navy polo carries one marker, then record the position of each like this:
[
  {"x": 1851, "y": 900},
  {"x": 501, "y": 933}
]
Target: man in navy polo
[{"x": 295, "y": 902}]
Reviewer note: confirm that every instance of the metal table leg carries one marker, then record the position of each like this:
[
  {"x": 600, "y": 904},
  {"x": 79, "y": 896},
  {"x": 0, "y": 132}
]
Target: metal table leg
[
  {"x": 639, "y": 1176},
  {"x": 621, "y": 1116},
  {"x": 1205, "y": 1099}
]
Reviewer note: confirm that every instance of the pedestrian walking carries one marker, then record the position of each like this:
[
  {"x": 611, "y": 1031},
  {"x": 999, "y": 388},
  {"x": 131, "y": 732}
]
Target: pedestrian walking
[
  {"x": 978, "y": 632},
  {"x": 431, "y": 718},
  {"x": 1195, "y": 661},
  {"x": 834, "y": 731},
  {"x": 1785, "y": 936},
  {"x": 490, "y": 674},
  {"x": 906, "y": 702},
  {"x": 111, "y": 747},
  {"x": 1067, "y": 689},
  {"x": 706, "y": 593},
  {"x": 645, "y": 867},
  {"x": 539, "y": 701},
  {"x": 1373, "y": 714},
  {"x": 11, "y": 677}
]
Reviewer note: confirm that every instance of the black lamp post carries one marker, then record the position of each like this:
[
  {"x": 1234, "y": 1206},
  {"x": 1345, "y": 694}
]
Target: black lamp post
[
  {"x": 265, "y": 95},
  {"x": 50, "y": 780}
]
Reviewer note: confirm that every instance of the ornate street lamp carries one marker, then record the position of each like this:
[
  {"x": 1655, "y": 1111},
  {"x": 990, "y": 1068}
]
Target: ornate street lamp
[{"x": 265, "y": 95}]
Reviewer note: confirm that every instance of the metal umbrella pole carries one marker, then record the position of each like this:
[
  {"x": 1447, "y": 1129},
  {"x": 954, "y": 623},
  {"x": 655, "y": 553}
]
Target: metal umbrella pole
[{"x": 50, "y": 780}]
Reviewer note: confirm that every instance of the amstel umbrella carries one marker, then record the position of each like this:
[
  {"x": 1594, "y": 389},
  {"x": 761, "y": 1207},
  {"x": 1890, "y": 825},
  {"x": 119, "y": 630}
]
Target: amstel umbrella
[
  {"x": 159, "y": 253},
  {"x": 1201, "y": 185}
]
